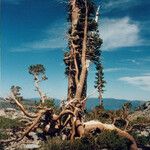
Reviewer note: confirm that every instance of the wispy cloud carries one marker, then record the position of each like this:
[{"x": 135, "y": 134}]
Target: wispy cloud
[
  {"x": 113, "y": 69},
  {"x": 136, "y": 61},
  {"x": 131, "y": 61},
  {"x": 143, "y": 82},
  {"x": 55, "y": 37},
  {"x": 121, "y": 69},
  {"x": 117, "y": 33}
]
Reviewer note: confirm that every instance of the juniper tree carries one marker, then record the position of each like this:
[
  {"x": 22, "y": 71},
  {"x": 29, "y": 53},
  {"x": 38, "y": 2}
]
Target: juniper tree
[
  {"x": 100, "y": 82},
  {"x": 84, "y": 46},
  {"x": 16, "y": 92},
  {"x": 38, "y": 71}
]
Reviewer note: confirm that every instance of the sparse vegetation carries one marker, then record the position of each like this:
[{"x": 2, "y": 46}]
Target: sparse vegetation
[
  {"x": 102, "y": 140},
  {"x": 3, "y": 135},
  {"x": 7, "y": 123},
  {"x": 140, "y": 120},
  {"x": 141, "y": 140},
  {"x": 49, "y": 103}
]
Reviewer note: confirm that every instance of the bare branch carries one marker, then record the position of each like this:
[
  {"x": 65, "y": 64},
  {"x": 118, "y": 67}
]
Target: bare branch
[
  {"x": 41, "y": 94},
  {"x": 21, "y": 107},
  {"x": 32, "y": 125}
]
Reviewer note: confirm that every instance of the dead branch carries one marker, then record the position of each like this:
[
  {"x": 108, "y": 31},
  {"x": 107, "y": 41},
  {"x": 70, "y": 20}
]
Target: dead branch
[
  {"x": 40, "y": 92},
  {"x": 64, "y": 112},
  {"x": 21, "y": 106},
  {"x": 35, "y": 122}
]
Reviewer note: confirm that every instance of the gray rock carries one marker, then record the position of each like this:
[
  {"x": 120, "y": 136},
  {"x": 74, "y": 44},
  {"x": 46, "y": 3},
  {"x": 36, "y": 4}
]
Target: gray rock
[
  {"x": 2, "y": 112},
  {"x": 31, "y": 146},
  {"x": 145, "y": 133},
  {"x": 10, "y": 110},
  {"x": 33, "y": 135}
]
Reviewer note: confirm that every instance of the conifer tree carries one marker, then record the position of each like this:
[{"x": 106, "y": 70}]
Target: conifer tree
[{"x": 84, "y": 44}]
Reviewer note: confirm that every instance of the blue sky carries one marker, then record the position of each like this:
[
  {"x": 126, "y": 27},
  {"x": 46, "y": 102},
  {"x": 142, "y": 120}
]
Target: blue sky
[{"x": 34, "y": 31}]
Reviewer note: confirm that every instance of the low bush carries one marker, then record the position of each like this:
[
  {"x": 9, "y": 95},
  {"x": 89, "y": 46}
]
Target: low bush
[
  {"x": 141, "y": 140},
  {"x": 7, "y": 123},
  {"x": 109, "y": 140},
  {"x": 50, "y": 103},
  {"x": 140, "y": 120},
  {"x": 3, "y": 135}
]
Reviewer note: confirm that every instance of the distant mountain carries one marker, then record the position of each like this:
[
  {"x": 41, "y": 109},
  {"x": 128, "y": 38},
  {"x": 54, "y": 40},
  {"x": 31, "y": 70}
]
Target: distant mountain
[
  {"x": 109, "y": 103},
  {"x": 2, "y": 99}
]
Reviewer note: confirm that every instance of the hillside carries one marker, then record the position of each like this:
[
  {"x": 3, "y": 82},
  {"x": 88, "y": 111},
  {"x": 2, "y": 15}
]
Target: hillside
[
  {"x": 142, "y": 111},
  {"x": 141, "y": 134}
]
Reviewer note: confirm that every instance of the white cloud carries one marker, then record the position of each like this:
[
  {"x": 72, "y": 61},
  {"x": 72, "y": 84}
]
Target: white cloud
[
  {"x": 117, "y": 33},
  {"x": 143, "y": 82}
]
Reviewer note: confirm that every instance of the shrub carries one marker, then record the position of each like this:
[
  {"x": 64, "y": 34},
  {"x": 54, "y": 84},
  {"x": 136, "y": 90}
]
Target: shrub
[
  {"x": 141, "y": 140},
  {"x": 3, "y": 135},
  {"x": 57, "y": 144},
  {"x": 7, "y": 123},
  {"x": 50, "y": 103},
  {"x": 141, "y": 120},
  {"x": 109, "y": 140},
  {"x": 120, "y": 123},
  {"x": 99, "y": 114}
]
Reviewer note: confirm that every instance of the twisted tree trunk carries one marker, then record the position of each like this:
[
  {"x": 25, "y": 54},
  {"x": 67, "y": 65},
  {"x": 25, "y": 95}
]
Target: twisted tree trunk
[{"x": 80, "y": 68}]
